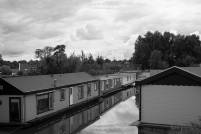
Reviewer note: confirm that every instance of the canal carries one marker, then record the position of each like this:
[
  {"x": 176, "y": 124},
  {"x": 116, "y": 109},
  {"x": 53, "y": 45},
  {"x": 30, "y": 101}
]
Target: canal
[
  {"x": 114, "y": 114},
  {"x": 116, "y": 121}
]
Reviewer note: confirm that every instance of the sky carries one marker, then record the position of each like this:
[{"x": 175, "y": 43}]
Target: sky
[{"x": 107, "y": 28}]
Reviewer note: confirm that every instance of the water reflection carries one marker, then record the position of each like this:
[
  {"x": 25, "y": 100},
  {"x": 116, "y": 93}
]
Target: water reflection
[
  {"x": 113, "y": 114},
  {"x": 117, "y": 120}
]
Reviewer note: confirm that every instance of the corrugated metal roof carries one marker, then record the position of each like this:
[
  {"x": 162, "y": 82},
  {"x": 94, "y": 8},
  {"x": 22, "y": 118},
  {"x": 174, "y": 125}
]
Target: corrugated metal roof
[{"x": 39, "y": 82}]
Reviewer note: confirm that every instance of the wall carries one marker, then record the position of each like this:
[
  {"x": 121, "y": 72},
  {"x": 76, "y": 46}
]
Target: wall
[
  {"x": 31, "y": 105},
  {"x": 125, "y": 81},
  {"x": 173, "y": 105},
  {"x": 4, "y": 108},
  {"x": 93, "y": 93}
]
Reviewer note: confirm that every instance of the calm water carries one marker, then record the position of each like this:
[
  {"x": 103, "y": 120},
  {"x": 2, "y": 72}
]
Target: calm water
[
  {"x": 117, "y": 120},
  {"x": 111, "y": 116}
]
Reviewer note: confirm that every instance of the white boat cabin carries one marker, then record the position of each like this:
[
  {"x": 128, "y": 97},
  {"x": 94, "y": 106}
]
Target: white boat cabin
[
  {"x": 171, "y": 97},
  {"x": 27, "y": 98}
]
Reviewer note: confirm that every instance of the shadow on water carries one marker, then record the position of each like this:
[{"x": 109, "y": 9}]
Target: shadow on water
[{"x": 113, "y": 114}]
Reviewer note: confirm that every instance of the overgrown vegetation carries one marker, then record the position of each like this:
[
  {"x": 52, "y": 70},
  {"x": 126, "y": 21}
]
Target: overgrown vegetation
[{"x": 157, "y": 50}]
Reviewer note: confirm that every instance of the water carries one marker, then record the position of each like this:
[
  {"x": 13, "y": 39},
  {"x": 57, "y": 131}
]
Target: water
[
  {"x": 117, "y": 120},
  {"x": 114, "y": 115}
]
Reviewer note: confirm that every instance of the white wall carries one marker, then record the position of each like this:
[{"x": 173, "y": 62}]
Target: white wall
[
  {"x": 93, "y": 93},
  {"x": 125, "y": 81},
  {"x": 31, "y": 105},
  {"x": 173, "y": 105},
  {"x": 4, "y": 108}
]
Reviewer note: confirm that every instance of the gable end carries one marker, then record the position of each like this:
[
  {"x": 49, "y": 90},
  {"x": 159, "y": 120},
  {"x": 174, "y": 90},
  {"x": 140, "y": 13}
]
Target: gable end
[
  {"x": 172, "y": 76},
  {"x": 8, "y": 89}
]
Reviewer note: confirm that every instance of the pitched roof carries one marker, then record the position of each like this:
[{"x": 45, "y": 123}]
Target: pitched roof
[
  {"x": 194, "y": 70},
  {"x": 174, "y": 76},
  {"x": 155, "y": 71},
  {"x": 106, "y": 77},
  {"x": 28, "y": 84}
]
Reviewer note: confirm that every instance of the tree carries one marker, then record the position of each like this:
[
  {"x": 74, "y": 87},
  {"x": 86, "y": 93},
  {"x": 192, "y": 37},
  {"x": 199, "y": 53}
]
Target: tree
[
  {"x": 44, "y": 53},
  {"x": 59, "y": 53},
  {"x": 157, "y": 50},
  {"x": 1, "y": 60},
  {"x": 156, "y": 60},
  {"x": 5, "y": 70},
  {"x": 100, "y": 60}
]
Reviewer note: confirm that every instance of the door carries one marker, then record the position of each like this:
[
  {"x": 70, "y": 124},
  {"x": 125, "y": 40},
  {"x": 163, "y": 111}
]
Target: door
[
  {"x": 15, "y": 109},
  {"x": 71, "y": 95}
]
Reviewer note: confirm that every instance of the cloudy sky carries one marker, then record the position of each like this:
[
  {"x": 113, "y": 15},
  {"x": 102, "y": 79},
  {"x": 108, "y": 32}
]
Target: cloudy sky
[{"x": 101, "y": 27}]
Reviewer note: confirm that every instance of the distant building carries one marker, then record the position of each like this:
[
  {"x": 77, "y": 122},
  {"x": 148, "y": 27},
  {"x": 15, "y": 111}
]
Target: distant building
[
  {"x": 170, "y": 97},
  {"x": 24, "y": 67}
]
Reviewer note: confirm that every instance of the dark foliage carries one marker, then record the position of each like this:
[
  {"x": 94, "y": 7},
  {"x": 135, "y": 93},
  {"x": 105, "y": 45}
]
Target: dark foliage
[{"x": 158, "y": 51}]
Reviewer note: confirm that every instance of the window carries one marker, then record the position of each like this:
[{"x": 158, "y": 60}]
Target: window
[
  {"x": 95, "y": 86},
  {"x": 115, "y": 82},
  {"x": 80, "y": 92},
  {"x": 51, "y": 100},
  {"x": 1, "y": 87},
  {"x": 106, "y": 84},
  {"x": 44, "y": 102},
  {"x": 62, "y": 94},
  {"x": 112, "y": 83},
  {"x": 71, "y": 90},
  {"x": 88, "y": 89}
]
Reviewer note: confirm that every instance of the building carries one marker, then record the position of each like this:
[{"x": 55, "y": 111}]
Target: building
[
  {"x": 170, "y": 97},
  {"x": 109, "y": 83},
  {"x": 128, "y": 77},
  {"x": 28, "y": 98},
  {"x": 143, "y": 74}
]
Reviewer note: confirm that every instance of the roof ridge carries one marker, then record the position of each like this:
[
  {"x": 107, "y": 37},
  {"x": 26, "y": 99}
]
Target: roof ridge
[{"x": 23, "y": 76}]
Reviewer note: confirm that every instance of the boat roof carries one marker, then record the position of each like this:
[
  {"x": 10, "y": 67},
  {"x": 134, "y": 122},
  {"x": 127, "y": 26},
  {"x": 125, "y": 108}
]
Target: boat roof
[
  {"x": 27, "y": 84},
  {"x": 174, "y": 76}
]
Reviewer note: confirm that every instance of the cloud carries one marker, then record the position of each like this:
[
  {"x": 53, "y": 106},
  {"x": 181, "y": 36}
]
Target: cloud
[
  {"x": 104, "y": 27},
  {"x": 89, "y": 32}
]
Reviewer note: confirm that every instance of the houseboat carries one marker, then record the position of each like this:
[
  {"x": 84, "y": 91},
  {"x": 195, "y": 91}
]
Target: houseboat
[
  {"x": 170, "y": 97},
  {"x": 28, "y": 98},
  {"x": 109, "y": 83},
  {"x": 129, "y": 77}
]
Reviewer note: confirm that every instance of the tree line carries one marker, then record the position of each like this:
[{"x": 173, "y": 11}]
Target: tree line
[
  {"x": 55, "y": 60},
  {"x": 156, "y": 50}
]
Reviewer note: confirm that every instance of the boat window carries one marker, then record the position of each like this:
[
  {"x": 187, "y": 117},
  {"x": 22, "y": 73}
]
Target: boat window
[
  {"x": 71, "y": 90},
  {"x": 44, "y": 102},
  {"x": 95, "y": 86},
  {"x": 62, "y": 94},
  {"x": 89, "y": 89},
  {"x": 80, "y": 92}
]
